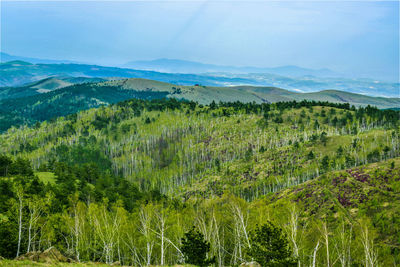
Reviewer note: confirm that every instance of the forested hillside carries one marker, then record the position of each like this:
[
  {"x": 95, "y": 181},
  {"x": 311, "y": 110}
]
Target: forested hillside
[
  {"x": 51, "y": 98},
  {"x": 128, "y": 181}
]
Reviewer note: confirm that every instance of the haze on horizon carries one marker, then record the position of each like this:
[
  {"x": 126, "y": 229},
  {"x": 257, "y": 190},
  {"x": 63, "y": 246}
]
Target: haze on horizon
[{"x": 360, "y": 38}]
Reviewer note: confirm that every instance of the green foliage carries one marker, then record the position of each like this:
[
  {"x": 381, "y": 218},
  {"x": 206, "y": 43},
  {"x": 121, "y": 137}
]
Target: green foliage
[
  {"x": 310, "y": 156},
  {"x": 5, "y": 163},
  {"x": 269, "y": 246},
  {"x": 323, "y": 138},
  {"x": 195, "y": 248},
  {"x": 325, "y": 163}
]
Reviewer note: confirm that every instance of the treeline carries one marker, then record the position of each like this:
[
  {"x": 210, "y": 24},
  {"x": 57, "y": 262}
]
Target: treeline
[{"x": 383, "y": 115}]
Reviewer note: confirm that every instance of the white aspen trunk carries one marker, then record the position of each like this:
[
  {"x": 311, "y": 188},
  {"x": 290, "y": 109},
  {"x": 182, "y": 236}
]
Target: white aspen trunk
[
  {"x": 219, "y": 246},
  {"x": 370, "y": 254},
  {"x": 162, "y": 247},
  {"x": 76, "y": 234},
  {"x": 19, "y": 222},
  {"x": 242, "y": 222},
  {"x": 148, "y": 253},
  {"x": 326, "y": 236},
  {"x": 315, "y": 254},
  {"x": 293, "y": 233},
  {"x": 145, "y": 220},
  {"x": 29, "y": 233}
]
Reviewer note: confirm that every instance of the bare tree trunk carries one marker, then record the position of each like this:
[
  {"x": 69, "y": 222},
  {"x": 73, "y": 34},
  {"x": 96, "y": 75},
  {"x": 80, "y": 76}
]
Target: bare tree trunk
[
  {"x": 326, "y": 237},
  {"x": 293, "y": 225},
  {"x": 77, "y": 231},
  {"x": 29, "y": 233},
  {"x": 314, "y": 257},
  {"x": 145, "y": 221},
  {"x": 368, "y": 244},
  {"x": 242, "y": 222},
  {"x": 343, "y": 246},
  {"x": 161, "y": 219},
  {"x": 20, "y": 196}
]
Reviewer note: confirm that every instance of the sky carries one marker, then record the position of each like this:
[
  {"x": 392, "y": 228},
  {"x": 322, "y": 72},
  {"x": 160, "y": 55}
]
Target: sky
[{"x": 359, "y": 37}]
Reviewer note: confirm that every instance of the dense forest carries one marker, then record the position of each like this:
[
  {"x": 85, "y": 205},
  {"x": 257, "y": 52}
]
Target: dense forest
[{"x": 164, "y": 182}]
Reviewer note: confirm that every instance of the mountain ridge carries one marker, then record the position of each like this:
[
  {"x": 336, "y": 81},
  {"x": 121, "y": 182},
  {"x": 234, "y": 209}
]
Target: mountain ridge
[
  {"x": 5, "y": 57},
  {"x": 19, "y": 73},
  {"x": 186, "y": 66}
]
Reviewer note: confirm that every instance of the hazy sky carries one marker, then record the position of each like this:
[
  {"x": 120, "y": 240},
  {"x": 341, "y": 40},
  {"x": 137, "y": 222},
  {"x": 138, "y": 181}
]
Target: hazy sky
[{"x": 354, "y": 36}]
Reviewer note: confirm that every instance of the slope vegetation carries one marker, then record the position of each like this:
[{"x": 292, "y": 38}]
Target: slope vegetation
[{"x": 109, "y": 182}]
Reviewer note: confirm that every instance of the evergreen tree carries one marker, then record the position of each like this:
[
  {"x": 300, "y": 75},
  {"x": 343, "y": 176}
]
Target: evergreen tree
[
  {"x": 5, "y": 163},
  {"x": 325, "y": 163},
  {"x": 270, "y": 247},
  {"x": 323, "y": 138},
  {"x": 195, "y": 248}
]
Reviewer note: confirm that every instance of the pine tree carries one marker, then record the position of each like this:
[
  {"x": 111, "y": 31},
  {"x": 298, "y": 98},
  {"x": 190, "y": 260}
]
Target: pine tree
[
  {"x": 195, "y": 248},
  {"x": 270, "y": 247}
]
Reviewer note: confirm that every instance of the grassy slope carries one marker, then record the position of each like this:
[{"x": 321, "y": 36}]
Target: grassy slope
[
  {"x": 371, "y": 191},
  {"x": 206, "y": 94},
  {"x": 43, "y": 86}
]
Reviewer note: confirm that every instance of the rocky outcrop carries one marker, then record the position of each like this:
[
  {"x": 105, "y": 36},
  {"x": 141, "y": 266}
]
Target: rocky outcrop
[{"x": 50, "y": 255}]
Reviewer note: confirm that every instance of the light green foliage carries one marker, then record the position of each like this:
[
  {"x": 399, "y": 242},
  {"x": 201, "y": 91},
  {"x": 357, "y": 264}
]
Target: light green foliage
[{"x": 46, "y": 177}]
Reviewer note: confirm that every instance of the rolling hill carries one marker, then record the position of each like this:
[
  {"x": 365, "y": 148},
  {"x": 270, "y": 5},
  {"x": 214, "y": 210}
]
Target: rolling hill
[
  {"x": 43, "y": 86},
  {"x": 207, "y": 94},
  {"x": 36, "y": 106}
]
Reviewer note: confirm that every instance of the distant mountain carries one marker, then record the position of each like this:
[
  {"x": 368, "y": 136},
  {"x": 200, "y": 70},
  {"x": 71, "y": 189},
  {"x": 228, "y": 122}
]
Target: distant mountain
[
  {"x": 18, "y": 73},
  {"x": 4, "y": 57},
  {"x": 71, "y": 99},
  {"x": 311, "y": 84},
  {"x": 183, "y": 66}
]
